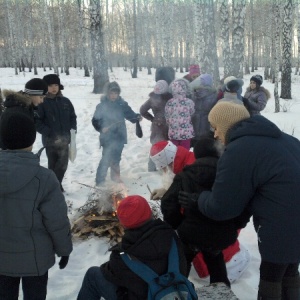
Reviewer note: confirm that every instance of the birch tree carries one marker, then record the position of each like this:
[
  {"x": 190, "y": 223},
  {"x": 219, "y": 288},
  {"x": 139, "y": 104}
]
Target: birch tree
[
  {"x": 286, "y": 92},
  {"x": 276, "y": 6},
  {"x": 97, "y": 47}
]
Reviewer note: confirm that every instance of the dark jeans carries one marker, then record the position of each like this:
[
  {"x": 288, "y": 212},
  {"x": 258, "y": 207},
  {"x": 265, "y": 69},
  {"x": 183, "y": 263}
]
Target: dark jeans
[
  {"x": 111, "y": 157},
  {"x": 58, "y": 158},
  {"x": 276, "y": 272},
  {"x": 34, "y": 287},
  {"x": 95, "y": 286}
]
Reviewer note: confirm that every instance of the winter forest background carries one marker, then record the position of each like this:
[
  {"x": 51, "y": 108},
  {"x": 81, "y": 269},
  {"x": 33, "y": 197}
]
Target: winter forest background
[{"x": 97, "y": 35}]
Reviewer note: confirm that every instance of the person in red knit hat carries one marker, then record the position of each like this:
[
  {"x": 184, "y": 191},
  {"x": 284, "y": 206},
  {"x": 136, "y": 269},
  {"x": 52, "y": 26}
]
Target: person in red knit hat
[
  {"x": 147, "y": 239},
  {"x": 172, "y": 159}
]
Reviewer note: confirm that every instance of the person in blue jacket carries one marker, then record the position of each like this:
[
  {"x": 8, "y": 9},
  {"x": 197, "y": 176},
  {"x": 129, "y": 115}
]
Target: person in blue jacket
[
  {"x": 258, "y": 171},
  {"x": 109, "y": 120}
]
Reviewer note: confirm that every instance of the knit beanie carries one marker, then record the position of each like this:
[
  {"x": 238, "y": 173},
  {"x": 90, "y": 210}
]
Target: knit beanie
[
  {"x": 17, "y": 131},
  {"x": 162, "y": 154},
  {"x": 206, "y": 146},
  {"x": 257, "y": 79},
  {"x": 165, "y": 73},
  {"x": 206, "y": 80},
  {"x": 194, "y": 70},
  {"x": 133, "y": 211},
  {"x": 225, "y": 114},
  {"x": 36, "y": 87},
  {"x": 53, "y": 79},
  {"x": 161, "y": 87},
  {"x": 234, "y": 85}
]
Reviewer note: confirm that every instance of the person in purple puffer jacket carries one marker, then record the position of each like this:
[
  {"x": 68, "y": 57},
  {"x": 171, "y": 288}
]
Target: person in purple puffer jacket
[{"x": 178, "y": 113}]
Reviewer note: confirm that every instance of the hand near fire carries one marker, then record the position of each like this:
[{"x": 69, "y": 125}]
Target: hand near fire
[{"x": 157, "y": 194}]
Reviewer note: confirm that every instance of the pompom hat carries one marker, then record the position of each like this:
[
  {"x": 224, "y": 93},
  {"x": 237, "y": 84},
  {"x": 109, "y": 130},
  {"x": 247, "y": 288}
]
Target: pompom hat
[
  {"x": 36, "y": 87},
  {"x": 133, "y": 211},
  {"x": 257, "y": 79},
  {"x": 161, "y": 87},
  {"x": 163, "y": 153},
  {"x": 53, "y": 79},
  {"x": 17, "y": 131},
  {"x": 194, "y": 70},
  {"x": 225, "y": 114}
]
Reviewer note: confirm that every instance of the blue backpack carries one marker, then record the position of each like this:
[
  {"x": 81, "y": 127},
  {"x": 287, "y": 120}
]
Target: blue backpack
[{"x": 170, "y": 286}]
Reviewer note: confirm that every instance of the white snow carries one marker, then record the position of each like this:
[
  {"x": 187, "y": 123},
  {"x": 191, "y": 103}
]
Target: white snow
[{"x": 65, "y": 284}]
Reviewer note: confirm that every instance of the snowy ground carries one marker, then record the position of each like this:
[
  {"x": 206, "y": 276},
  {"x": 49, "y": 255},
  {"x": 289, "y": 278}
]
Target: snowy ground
[{"x": 64, "y": 284}]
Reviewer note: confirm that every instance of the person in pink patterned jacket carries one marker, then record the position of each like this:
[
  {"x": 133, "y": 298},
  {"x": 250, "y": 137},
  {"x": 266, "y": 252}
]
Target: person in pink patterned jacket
[{"x": 178, "y": 113}]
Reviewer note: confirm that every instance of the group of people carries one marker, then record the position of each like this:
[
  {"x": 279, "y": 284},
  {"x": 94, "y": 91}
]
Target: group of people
[{"x": 242, "y": 166}]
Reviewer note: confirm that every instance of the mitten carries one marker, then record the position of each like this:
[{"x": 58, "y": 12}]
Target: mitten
[
  {"x": 138, "y": 130},
  {"x": 188, "y": 200},
  {"x": 63, "y": 262},
  {"x": 157, "y": 194}
]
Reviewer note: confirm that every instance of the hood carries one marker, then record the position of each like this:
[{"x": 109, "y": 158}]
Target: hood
[
  {"x": 179, "y": 87},
  {"x": 17, "y": 168},
  {"x": 111, "y": 86},
  {"x": 13, "y": 98},
  {"x": 254, "y": 126}
]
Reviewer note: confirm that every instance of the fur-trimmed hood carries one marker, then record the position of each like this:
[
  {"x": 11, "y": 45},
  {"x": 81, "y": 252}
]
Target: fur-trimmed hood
[
  {"x": 13, "y": 98},
  {"x": 261, "y": 89}
]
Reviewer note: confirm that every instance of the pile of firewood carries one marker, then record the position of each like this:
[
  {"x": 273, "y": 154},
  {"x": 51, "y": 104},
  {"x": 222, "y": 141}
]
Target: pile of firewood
[{"x": 98, "y": 217}]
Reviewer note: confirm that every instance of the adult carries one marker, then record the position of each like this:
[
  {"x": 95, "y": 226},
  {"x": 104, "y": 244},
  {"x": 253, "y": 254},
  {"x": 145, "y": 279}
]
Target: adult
[
  {"x": 204, "y": 97},
  {"x": 231, "y": 90},
  {"x": 157, "y": 102},
  {"x": 172, "y": 160},
  {"x": 259, "y": 171},
  {"x": 256, "y": 96},
  {"x": 165, "y": 73},
  {"x": 223, "y": 84}
]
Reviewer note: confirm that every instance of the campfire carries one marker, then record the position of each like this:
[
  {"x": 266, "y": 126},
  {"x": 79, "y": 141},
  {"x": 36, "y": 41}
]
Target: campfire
[{"x": 98, "y": 215}]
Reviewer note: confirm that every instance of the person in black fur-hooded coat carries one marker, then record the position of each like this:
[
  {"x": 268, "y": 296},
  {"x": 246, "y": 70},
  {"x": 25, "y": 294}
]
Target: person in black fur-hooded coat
[{"x": 212, "y": 236}]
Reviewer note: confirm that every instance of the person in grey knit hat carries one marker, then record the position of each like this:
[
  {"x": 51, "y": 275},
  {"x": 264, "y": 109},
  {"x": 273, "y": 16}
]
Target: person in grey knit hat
[
  {"x": 34, "y": 225},
  {"x": 259, "y": 172}
]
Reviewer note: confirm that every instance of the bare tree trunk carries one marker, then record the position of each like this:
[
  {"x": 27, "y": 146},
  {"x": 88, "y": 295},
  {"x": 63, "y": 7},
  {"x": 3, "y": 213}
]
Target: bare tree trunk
[
  {"x": 199, "y": 29},
  {"x": 98, "y": 49},
  {"x": 277, "y": 52},
  {"x": 238, "y": 9},
  {"x": 286, "y": 92},
  {"x": 298, "y": 38},
  {"x": 135, "y": 43}
]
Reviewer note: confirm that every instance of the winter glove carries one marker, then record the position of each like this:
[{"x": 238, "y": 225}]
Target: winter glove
[
  {"x": 63, "y": 262},
  {"x": 157, "y": 194},
  {"x": 138, "y": 130},
  {"x": 188, "y": 200}
]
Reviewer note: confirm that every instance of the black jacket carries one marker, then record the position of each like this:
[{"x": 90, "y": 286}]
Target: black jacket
[
  {"x": 192, "y": 226},
  {"x": 56, "y": 118},
  {"x": 260, "y": 169},
  {"x": 149, "y": 243}
]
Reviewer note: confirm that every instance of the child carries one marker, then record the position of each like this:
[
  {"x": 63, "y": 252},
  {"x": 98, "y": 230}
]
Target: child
[
  {"x": 157, "y": 102},
  {"x": 34, "y": 225},
  {"x": 178, "y": 113},
  {"x": 26, "y": 102},
  {"x": 56, "y": 118},
  {"x": 256, "y": 96},
  {"x": 109, "y": 120},
  {"x": 146, "y": 239}
]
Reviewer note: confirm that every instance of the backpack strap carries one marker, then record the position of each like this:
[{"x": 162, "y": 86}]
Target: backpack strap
[
  {"x": 139, "y": 268},
  {"x": 146, "y": 273}
]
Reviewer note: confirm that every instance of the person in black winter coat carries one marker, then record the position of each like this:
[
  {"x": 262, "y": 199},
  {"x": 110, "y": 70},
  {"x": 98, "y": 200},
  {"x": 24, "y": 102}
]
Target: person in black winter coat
[
  {"x": 26, "y": 101},
  {"x": 146, "y": 239},
  {"x": 109, "y": 121},
  {"x": 56, "y": 118},
  {"x": 212, "y": 236},
  {"x": 259, "y": 170}
]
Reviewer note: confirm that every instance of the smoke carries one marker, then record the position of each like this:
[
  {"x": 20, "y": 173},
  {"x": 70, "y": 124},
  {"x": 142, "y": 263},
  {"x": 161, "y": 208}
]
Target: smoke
[{"x": 168, "y": 177}]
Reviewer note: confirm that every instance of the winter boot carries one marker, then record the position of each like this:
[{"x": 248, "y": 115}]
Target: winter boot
[
  {"x": 268, "y": 290},
  {"x": 115, "y": 173},
  {"x": 291, "y": 288},
  {"x": 216, "y": 266}
]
